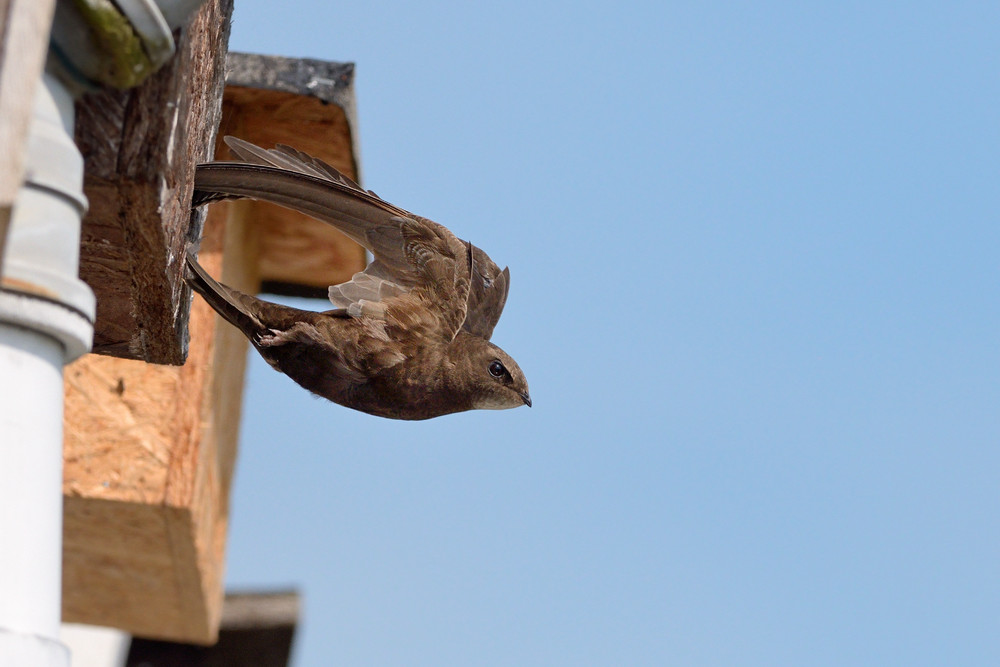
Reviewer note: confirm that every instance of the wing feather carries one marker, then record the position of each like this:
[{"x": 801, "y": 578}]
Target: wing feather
[{"x": 418, "y": 263}]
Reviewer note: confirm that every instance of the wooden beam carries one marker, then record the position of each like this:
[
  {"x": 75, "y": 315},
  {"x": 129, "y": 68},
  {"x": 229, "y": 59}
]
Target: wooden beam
[
  {"x": 148, "y": 458},
  {"x": 150, "y": 449},
  {"x": 308, "y": 104},
  {"x": 257, "y": 629},
  {"x": 140, "y": 148}
]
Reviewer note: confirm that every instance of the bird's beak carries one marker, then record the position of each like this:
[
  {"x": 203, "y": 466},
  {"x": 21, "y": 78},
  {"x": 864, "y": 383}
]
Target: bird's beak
[{"x": 526, "y": 399}]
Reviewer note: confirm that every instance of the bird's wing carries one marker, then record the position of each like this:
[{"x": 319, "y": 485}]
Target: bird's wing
[
  {"x": 487, "y": 295},
  {"x": 420, "y": 267},
  {"x": 417, "y": 261}
]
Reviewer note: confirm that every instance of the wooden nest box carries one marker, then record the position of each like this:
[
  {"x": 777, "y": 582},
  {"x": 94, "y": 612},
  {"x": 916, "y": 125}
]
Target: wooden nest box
[{"x": 152, "y": 416}]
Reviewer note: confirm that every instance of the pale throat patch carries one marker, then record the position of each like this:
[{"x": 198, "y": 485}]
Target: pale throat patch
[{"x": 498, "y": 402}]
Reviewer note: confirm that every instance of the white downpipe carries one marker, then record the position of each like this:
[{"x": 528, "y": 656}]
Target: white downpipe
[
  {"x": 31, "y": 508},
  {"x": 46, "y": 321}
]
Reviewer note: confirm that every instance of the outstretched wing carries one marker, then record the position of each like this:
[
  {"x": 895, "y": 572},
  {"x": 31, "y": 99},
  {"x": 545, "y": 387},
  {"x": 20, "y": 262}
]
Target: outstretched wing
[
  {"x": 424, "y": 267},
  {"x": 417, "y": 261}
]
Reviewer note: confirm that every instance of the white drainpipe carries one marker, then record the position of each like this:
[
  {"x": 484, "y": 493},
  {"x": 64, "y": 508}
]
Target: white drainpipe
[{"x": 46, "y": 321}]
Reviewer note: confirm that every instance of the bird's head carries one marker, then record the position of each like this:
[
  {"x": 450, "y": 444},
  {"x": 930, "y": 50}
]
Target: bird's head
[{"x": 492, "y": 379}]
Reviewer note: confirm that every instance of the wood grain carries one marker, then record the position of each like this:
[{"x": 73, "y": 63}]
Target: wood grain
[{"x": 141, "y": 147}]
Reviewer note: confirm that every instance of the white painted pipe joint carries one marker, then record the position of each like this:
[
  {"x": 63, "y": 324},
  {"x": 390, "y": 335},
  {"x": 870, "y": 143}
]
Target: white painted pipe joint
[{"x": 43, "y": 244}]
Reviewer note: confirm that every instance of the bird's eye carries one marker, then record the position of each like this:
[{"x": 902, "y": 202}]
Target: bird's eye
[{"x": 496, "y": 369}]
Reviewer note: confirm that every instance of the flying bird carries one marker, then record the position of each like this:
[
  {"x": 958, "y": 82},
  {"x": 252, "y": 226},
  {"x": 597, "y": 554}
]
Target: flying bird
[{"x": 409, "y": 337}]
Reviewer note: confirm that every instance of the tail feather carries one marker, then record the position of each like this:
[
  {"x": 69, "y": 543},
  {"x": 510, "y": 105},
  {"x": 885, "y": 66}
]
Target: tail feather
[{"x": 231, "y": 304}]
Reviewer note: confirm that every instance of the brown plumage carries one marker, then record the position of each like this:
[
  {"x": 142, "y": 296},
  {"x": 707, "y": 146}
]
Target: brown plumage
[{"x": 409, "y": 337}]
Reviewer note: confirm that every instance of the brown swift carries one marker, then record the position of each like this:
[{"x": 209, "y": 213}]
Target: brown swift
[{"x": 409, "y": 336}]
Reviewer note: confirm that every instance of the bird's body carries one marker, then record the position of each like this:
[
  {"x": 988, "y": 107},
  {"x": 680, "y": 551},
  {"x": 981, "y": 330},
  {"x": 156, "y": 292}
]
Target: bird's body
[{"x": 409, "y": 338}]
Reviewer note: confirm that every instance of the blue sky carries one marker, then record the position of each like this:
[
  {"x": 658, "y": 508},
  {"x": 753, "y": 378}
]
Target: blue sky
[{"x": 753, "y": 250}]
